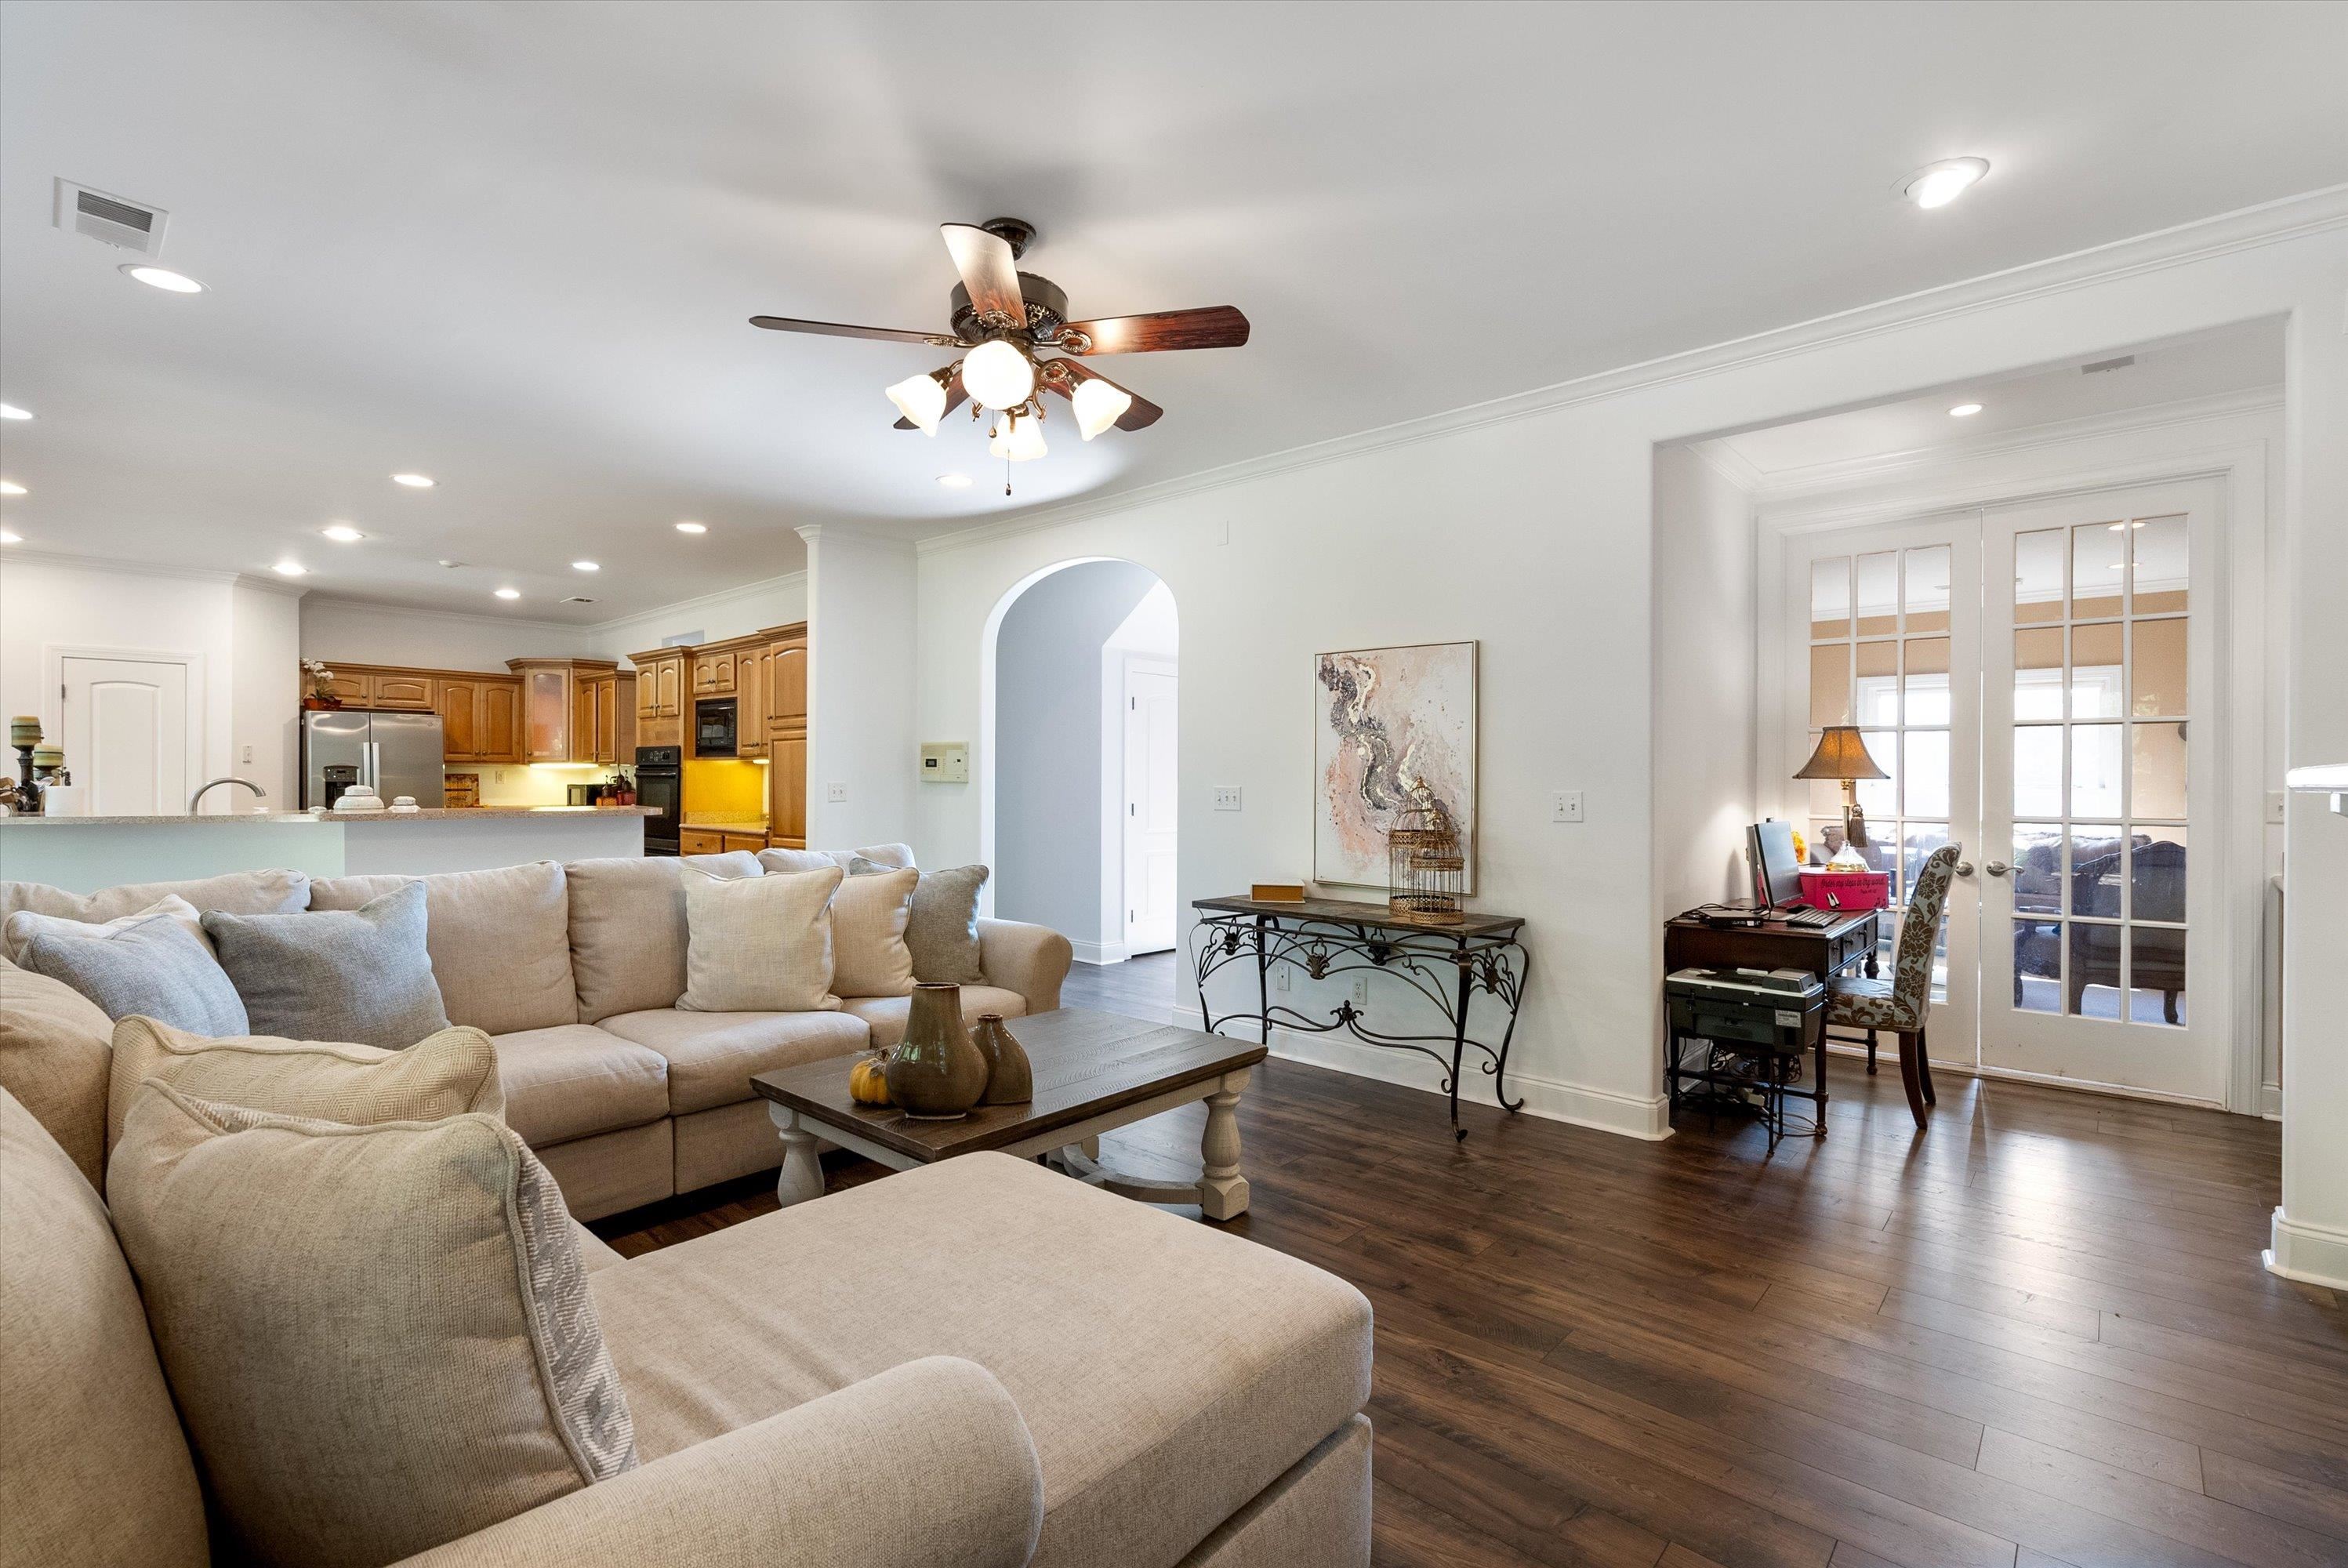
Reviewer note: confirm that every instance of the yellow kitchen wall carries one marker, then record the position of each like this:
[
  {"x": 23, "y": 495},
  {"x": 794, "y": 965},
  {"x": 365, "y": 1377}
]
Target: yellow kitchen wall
[{"x": 724, "y": 791}]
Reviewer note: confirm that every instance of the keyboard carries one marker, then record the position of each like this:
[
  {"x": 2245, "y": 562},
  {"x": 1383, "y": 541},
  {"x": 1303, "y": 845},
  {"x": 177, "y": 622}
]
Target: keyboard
[{"x": 1812, "y": 919}]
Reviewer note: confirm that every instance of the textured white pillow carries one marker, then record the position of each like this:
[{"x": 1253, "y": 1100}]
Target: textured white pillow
[
  {"x": 868, "y": 915},
  {"x": 24, "y": 925},
  {"x": 758, "y": 945}
]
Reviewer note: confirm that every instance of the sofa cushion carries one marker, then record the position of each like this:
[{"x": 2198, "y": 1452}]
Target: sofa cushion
[
  {"x": 1168, "y": 1372},
  {"x": 885, "y": 1016},
  {"x": 628, "y": 931},
  {"x": 890, "y": 856},
  {"x": 576, "y": 1079},
  {"x": 55, "y": 1047},
  {"x": 869, "y": 957},
  {"x": 711, "y": 1056},
  {"x": 151, "y": 964},
  {"x": 446, "y": 1074},
  {"x": 379, "y": 1337},
  {"x": 499, "y": 941},
  {"x": 361, "y": 975},
  {"x": 98, "y": 1470},
  {"x": 238, "y": 892},
  {"x": 760, "y": 943}
]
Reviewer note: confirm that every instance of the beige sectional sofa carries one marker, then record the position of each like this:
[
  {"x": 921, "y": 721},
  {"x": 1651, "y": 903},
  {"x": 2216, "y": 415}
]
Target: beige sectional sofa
[{"x": 574, "y": 971}]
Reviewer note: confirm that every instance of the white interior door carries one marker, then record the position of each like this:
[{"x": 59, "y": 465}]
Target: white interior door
[
  {"x": 1150, "y": 690},
  {"x": 125, "y": 735},
  {"x": 1883, "y": 630},
  {"x": 2102, "y": 958}
]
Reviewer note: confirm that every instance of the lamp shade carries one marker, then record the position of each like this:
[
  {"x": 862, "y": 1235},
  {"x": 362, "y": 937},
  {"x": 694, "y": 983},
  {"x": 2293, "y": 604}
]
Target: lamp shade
[
  {"x": 922, "y": 399},
  {"x": 1841, "y": 754}
]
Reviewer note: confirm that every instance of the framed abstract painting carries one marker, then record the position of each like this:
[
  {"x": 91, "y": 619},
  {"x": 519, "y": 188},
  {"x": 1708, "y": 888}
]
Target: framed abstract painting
[{"x": 1386, "y": 720}]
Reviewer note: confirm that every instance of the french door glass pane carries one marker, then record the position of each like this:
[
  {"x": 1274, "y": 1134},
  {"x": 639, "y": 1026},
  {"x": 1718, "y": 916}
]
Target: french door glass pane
[
  {"x": 2094, "y": 771},
  {"x": 2157, "y": 668},
  {"x": 2096, "y": 675},
  {"x": 2038, "y": 769},
  {"x": 1878, "y": 593},
  {"x": 2038, "y": 965},
  {"x": 2159, "y": 769},
  {"x": 1925, "y": 680},
  {"x": 1879, "y": 797},
  {"x": 2038, "y": 673},
  {"x": 1927, "y": 775},
  {"x": 1925, "y": 592},
  {"x": 1878, "y": 683},
  {"x": 2156, "y": 974},
  {"x": 1829, "y": 684},
  {"x": 2098, "y": 553},
  {"x": 2094, "y": 984},
  {"x": 1831, "y": 597},
  {"x": 2098, "y": 856},
  {"x": 2038, "y": 867},
  {"x": 2156, "y": 873},
  {"x": 2038, "y": 576},
  {"x": 2160, "y": 564}
]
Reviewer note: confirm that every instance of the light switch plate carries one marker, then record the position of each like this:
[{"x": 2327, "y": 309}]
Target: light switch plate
[
  {"x": 835, "y": 793},
  {"x": 1227, "y": 796},
  {"x": 1565, "y": 805},
  {"x": 2276, "y": 802}
]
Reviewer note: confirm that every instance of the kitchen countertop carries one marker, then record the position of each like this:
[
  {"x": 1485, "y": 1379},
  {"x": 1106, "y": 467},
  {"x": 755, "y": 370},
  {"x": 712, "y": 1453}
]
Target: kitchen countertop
[{"x": 427, "y": 814}]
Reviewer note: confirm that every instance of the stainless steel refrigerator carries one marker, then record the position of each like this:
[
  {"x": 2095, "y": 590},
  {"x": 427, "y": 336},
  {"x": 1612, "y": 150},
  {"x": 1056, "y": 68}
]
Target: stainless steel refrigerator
[{"x": 397, "y": 753}]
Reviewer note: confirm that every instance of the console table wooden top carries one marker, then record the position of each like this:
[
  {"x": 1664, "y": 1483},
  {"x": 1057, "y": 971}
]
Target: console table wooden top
[{"x": 1344, "y": 912}]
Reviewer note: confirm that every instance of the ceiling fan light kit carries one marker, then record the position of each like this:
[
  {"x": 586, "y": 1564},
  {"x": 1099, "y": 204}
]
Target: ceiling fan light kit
[{"x": 1001, "y": 318}]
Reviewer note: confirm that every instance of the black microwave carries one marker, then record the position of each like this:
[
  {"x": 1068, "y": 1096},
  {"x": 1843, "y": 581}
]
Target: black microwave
[{"x": 713, "y": 726}]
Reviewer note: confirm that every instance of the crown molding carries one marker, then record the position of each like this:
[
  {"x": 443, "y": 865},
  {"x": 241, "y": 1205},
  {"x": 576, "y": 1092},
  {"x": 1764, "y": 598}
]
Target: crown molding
[
  {"x": 1730, "y": 464},
  {"x": 466, "y": 617},
  {"x": 839, "y": 533},
  {"x": 709, "y": 601},
  {"x": 277, "y": 585},
  {"x": 130, "y": 568},
  {"x": 706, "y": 601},
  {"x": 2247, "y": 228}
]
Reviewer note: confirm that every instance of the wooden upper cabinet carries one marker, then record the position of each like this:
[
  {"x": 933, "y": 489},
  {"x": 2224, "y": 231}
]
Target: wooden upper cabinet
[
  {"x": 410, "y": 691},
  {"x": 669, "y": 680},
  {"x": 353, "y": 687},
  {"x": 713, "y": 675},
  {"x": 497, "y": 721},
  {"x": 786, "y": 703},
  {"x": 460, "y": 710},
  {"x": 560, "y": 711},
  {"x": 750, "y": 701}
]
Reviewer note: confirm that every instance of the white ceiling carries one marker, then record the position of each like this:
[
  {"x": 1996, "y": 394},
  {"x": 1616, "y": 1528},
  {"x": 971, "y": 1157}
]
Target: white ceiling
[{"x": 513, "y": 246}]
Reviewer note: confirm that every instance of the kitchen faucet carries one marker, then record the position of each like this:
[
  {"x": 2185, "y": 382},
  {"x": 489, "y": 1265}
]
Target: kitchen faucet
[{"x": 258, "y": 792}]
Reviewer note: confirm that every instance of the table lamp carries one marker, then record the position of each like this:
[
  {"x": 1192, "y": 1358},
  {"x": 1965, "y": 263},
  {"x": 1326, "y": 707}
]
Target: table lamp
[{"x": 1842, "y": 754}]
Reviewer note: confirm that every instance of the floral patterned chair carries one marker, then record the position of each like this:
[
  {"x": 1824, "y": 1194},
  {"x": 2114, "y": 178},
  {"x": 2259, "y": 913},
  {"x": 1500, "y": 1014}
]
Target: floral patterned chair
[{"x": 1903, "y": 1003}]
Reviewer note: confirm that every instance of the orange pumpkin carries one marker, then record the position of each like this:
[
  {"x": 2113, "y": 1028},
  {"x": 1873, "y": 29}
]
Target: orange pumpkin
[{"x": 867, "y": 1083}]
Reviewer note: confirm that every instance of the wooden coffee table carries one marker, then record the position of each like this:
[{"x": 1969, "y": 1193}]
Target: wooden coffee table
[{"x": 1094, "y": 1071}]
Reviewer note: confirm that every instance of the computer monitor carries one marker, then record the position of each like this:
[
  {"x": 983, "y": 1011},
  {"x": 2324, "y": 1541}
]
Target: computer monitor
[{"x": 1776, "y": 872}]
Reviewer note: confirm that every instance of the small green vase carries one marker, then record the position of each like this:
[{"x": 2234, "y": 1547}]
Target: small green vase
[
  {"x": 1010, "y": 1076},
  {"x": 936, "y": 1073}
]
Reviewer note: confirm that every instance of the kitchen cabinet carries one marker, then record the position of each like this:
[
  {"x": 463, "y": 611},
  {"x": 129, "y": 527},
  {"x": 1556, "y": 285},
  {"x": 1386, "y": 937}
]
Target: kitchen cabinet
[
  {"x": 786, "y": 792},
  {"x": 570, "y": 710},
  {"x": 787, "y": 705},
  {"x": 699, "y": 842},
  {"x": 750, "y": 701},
  {"x": 753, "y": 842},
  {"x": 659, "y": 696},
  {"x": 497, "y": 721},
  {"x": 476, "y": 717},
  {"x": 713, "y": 675},
  {"x": 350, "y": 685},
  {"x": 409, "y": 691}
]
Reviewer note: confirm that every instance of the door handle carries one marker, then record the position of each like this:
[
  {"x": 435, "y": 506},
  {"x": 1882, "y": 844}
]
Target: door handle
[
  {"x": 1997, "y": 868},
  {"x": 1964, "y": 868}
]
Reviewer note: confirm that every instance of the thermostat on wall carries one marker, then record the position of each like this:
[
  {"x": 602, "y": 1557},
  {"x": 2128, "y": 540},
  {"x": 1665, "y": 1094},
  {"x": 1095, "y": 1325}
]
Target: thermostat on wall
[{"x": 945, "y": 762}]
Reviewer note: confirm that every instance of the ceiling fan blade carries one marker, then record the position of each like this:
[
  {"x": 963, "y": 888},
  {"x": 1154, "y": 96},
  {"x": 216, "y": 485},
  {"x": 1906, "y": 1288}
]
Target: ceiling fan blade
[
  {"x": 1210, "y": 326},
  {"x": 956, "y": 396},
  {"x": 988, "y": 269},
  {"x": 1141, "y": 416},
  {"x": 834, "y": 329}
]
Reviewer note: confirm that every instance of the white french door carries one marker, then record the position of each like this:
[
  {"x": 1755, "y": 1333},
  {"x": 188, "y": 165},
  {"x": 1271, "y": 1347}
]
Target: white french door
[
  {"x": 1150, "y": 707},
  {"x": 2031, "y": 679},
  {"x": 2100, "y": 951},
  {"x": 1883, "y": 632}
]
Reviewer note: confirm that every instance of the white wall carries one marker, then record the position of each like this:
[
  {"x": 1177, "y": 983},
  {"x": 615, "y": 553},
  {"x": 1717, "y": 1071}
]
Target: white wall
[
  {"x": 753, "y": 607},
  {"x": 1048, "y": 739},
  {"x": 860, "y": 730},
  {"x": 1704, "y": 676},
  {"x": 1528, "y": 523},
  {"x": 265, "y": 698}
]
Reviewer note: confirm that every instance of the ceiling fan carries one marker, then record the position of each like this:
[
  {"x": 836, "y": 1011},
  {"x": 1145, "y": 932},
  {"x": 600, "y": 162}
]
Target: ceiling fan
[{"x": 1004, "y": 319}]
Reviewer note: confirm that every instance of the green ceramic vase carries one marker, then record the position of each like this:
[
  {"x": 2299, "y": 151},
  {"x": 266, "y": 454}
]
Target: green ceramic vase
[
  {"x": 936, "y": 1073},
  {"x": 1010, "y": 1076}
]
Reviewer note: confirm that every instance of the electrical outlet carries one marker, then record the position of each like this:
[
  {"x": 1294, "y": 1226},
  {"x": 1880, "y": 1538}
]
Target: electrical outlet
[
  {"x": 1227, "y": 796},
  {"x": 1280, "y": 977},
  {"x": 2275, "y": 808},
  {"x": 835, "y": 793},
  {"x": 1565, "y": 805},
  {"x": 1361, "y": 992}
]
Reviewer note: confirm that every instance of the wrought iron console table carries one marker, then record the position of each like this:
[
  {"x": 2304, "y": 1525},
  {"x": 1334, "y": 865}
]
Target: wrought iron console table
[{"x": 1446, "y": 964}]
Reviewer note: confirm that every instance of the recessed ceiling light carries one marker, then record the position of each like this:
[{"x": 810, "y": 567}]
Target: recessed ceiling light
[
  {"x": 954, "y": 481},
  {"x": 8, "y": 537},
  {"x": 342, "y": 533},
  {"x": 10, "y": 487},
  {"x": 693, "y": 528},
  {"x": 10, "y": 411},
  {"x": 445, "y": 561},
  {"x": 412, "y": 481},
  {"x": 168, "y": 282},
  {"x": 586, "y": 566},
  {"x": 1938, "y": 184},
  {"x": 290, "y": 569},
  {"x": 1964, "y": 410},
  {"x": 508, "y": 593}
]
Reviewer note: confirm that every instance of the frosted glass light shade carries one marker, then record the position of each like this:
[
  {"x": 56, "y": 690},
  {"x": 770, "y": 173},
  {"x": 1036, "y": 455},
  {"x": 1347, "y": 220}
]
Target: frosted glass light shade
[
  {"x": 997, "y": 375},
  {"x": 1098, "y": 406},
  {"x": 1026, "y": 441},
  {"x": 922, "y": 400}
]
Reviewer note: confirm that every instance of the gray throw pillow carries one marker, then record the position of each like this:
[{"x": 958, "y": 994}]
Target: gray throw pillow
[
  {"x": 156, "y": 967},
  {"x": 943, "y": 931},
  {"x": 360, "y": 975}
]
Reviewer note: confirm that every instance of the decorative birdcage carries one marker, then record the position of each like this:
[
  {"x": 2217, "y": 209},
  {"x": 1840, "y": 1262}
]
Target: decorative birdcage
[{"x": 1427, "y": 866}]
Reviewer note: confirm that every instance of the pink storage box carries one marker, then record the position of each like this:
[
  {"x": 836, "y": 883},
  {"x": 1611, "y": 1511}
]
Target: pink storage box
[{"x": 1847, "y": 890}]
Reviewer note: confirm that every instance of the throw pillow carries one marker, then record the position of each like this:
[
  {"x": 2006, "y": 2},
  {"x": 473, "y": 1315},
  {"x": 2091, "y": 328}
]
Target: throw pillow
[
  {"x": 379, "y": 1338},
  {"x": 238, "y": 892},
  {"x": 499, "y": 941},
  {"x": 942, "y": 932},
  {"x": 361, "y": 975},
  {"x": 867, "y": 935},
  {"x": 893, "y": 857},
  {"x": 26, "y": 925},
  {"x": 54, "y": 1045},
  {"x": 446, "y": 1074},
  {"x": 151, "y": 965},
  {"x": 758, "y": 945}
]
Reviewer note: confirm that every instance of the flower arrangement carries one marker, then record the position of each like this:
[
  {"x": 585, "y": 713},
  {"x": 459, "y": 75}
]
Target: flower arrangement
[{"x": 321, "y": 682}]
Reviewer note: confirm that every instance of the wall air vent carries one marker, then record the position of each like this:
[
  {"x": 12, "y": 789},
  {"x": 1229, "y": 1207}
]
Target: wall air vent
[
  {"x": 2100, "y": 366},
  {"x": 126, "y": 225}
]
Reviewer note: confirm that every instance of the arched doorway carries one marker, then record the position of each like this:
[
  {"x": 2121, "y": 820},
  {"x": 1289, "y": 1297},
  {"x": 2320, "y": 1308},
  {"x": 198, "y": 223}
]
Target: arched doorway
[{"x": 1078, "y": 697}]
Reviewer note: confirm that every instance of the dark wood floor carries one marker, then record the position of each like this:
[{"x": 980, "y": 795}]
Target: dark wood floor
[{"x": 2035, "y": 1335}]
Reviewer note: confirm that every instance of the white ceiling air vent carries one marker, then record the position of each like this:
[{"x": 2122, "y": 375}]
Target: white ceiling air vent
[
  {"x": 2100, "y": 366},
  {"x": 579, "y": 599},
  {"x": 127, "y": 225}
]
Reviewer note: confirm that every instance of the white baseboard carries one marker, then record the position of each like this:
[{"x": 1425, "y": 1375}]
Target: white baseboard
[
  {"x": 1548, "y": 1099},
  {"x": 2270, "y": 1102},
  {"x": 2313, "y": 1254},
  {"x": 1099, "y": 952}
]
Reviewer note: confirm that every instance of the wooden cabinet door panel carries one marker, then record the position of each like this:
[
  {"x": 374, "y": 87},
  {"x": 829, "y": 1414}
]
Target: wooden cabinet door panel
[
  {"x": 546, "y": 715},
  {"x": 786, "y": 789},
  {"x": 352, "y": 688},
  {"x": 396, "y": 689},
  {"x": 497, "y": 723},
  {"x": 699, "y": 842},
  {"x": 459, "y": 707},
  {"x": 607, "y": 719},
  {"x": 753, "y": 842},
  {"x": 647, "y": 694},
  {"x": 786, "y": 688},
  {"x": 750, "y": 703},
  {"x": 671, "y": 687}
]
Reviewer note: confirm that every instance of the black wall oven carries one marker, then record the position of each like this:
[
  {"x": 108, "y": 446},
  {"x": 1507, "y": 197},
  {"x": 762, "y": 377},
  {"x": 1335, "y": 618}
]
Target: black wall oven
[
  {"x": 660, "y": 784},
  {"x": 713, "y": 726}
]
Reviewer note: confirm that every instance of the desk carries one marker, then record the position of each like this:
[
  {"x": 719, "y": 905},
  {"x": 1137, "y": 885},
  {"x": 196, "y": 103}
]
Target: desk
[
  {"x": 1825, "y": 951},
  {"x": 1445, "y": 965}
]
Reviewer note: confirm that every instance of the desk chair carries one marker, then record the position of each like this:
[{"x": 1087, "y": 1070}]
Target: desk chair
[{"x": 1903, "y": 1003}]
